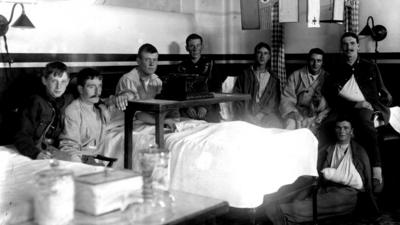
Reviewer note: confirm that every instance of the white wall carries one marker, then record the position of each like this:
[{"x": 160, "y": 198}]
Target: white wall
[
  {"x": 299, "y": 38},
  {"x": 69, "y": 27},
  {"x": 386, "y": 13},
  {"x": 75, "y": 26},
  {"x": 84, "y": 27},
  {"x": 220, "y": 22}
]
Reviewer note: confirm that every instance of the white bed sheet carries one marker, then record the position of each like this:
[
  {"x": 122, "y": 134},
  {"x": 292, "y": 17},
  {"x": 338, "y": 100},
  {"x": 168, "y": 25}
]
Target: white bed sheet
[
  {"x": 234, "y": 161},
  {"x": 394, "y": 119}
]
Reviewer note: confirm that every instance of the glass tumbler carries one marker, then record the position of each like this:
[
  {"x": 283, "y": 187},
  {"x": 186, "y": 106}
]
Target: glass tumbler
[{"x": 154, "y": 165}]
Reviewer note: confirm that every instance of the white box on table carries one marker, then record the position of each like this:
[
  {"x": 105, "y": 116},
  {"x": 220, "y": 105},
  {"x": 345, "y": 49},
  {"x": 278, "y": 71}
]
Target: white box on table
[{"x": 103, "y": 192}]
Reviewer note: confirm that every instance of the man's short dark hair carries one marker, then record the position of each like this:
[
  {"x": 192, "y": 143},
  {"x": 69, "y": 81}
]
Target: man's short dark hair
[
  {"x": 193, "y": 37},
  {"x": 344, "y": 117},
  {"x": 262, "y": 45},
  {"x": 56, "y": 68},
  {"x": 147, "y": 48},
  {"x": 317, "y": 51},
  {"x": 87, "y": 74},
  {"x": 349, "y": 34}
]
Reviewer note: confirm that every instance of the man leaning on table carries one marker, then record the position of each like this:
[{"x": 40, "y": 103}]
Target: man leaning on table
[
  {"x": 141, "y": 83},
  {"x": 85, "y": 119}
]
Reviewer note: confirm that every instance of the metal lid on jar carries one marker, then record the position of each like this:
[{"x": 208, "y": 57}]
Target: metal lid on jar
[{"x": 48, "y": 176}]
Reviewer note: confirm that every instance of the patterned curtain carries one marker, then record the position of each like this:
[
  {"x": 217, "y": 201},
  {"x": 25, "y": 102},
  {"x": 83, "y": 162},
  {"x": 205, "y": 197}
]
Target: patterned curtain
[
  {"x": 278, "y": 47},
  {"x": 351, "y": 15}
]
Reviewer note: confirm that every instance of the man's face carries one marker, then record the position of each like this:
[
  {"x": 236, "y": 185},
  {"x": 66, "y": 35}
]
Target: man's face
[
  {"x": 148, "y": 63},
  {"x": 56, "y": 85},
  {"x": 344, "y": 131},
  {"x": 194, "y": 47},
  {"x": 91, "y": 92},
  {"x": 315, "y": 63},
  {"x": 350, "y": 47},
  {"x": 262, "y": 56}
]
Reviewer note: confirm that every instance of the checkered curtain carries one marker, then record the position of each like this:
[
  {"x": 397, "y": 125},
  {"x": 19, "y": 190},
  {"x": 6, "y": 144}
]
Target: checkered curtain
[
  {"x": 351, "y": 15},
  {"x": 278, "y": 47}
]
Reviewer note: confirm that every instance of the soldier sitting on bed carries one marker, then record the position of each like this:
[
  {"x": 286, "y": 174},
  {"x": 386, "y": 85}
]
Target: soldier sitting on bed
[
  {"x": 85, "y": 119},
  {"x": 196, "y": 63},
  {"x": 142, "y": 83},
  {"x": 302, "y": 103},
  {"x": 263, "y": 86},
  {"x": 41, "y": 118}
]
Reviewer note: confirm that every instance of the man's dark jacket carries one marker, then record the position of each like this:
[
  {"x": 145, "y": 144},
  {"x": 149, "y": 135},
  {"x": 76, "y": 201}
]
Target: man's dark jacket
[
  {"x": 40, "y": 112},
  {"x": 247, "y": 83},
  {"x": 205, "y": 68},
  {"x": 369, "y": 80}
]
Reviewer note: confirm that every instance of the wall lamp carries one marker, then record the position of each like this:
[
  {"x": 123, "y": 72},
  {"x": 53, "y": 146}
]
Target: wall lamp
[
  {"x": 377, "y": 33},
  {"x": 22, "y": 22}
]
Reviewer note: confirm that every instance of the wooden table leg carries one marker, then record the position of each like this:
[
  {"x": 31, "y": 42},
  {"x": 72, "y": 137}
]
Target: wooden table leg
[
  {"x": 160, "y": 129},
  {"x": 129, "y": 112}
]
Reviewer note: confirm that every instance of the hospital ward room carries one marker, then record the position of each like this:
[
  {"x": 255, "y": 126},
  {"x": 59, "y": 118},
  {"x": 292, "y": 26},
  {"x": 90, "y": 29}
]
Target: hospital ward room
[{"x": 205, "y": 112}]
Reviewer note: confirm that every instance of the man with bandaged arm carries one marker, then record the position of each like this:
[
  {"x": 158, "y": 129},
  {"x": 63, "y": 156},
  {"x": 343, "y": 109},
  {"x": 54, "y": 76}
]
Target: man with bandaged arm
[{"x": 345, "y": 180}]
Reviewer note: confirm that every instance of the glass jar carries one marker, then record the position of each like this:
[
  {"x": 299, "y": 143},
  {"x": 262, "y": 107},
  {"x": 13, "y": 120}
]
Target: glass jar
[
  {"x": 154, "y": 165},
  {"x": 54, "y": 196}
]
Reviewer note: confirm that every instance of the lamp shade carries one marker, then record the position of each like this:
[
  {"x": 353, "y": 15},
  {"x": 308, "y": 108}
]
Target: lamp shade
[
  {"x": 366, "y": 31},
  {"x": 23, "y": 22},
  {"x": 3, "y": 25}
]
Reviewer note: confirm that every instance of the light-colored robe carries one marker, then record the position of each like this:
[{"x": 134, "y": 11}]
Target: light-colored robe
[
  {"x": 84, "y": 130},
  {"x": 299, "y": 94},
  {"x": 131, "y": 82}
]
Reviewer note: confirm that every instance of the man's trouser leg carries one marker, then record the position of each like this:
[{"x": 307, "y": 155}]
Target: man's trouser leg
[
  {"x": 300, "y": 189},
  {"x": 331, "y": 201},
  {"x": 367, "y": 134}
]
